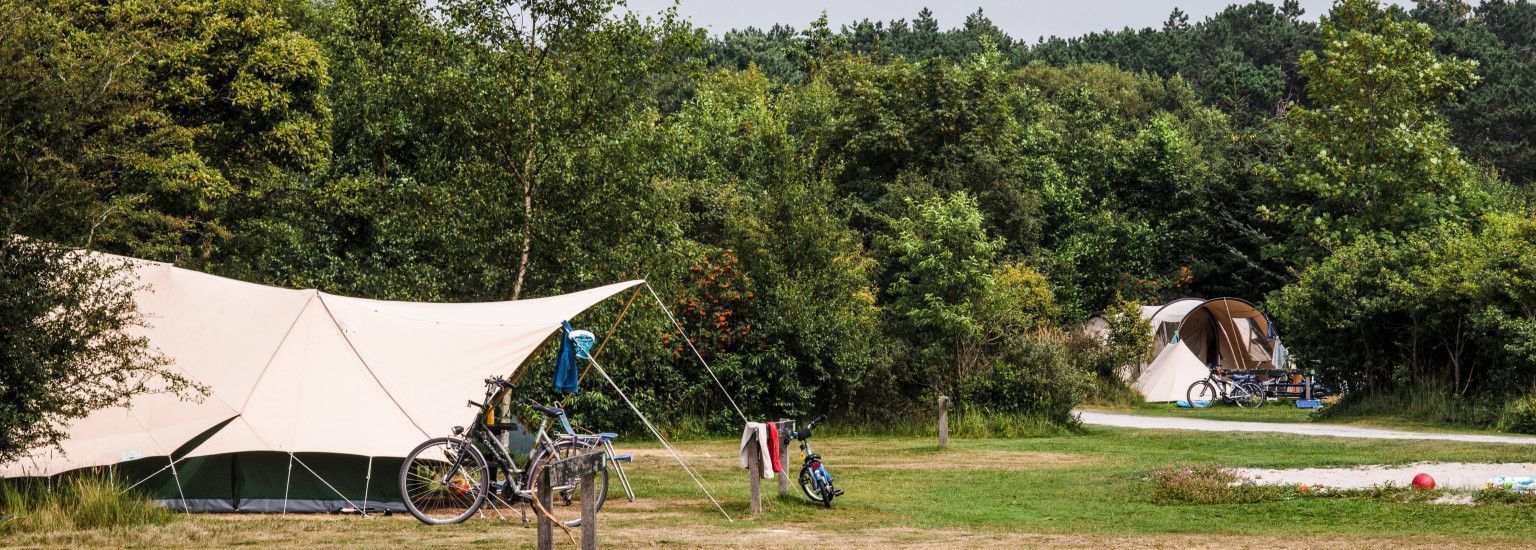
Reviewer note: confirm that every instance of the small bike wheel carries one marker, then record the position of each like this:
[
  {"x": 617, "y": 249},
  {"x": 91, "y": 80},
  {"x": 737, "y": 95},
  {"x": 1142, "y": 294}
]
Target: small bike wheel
[
  {"x": 808, "y": 484},
  {"x": 1201, "y": 394},
  {"x": 444, "y": 480},
  {"x": 1249, "y": 395},
  {"x": 567, "y": 498}
]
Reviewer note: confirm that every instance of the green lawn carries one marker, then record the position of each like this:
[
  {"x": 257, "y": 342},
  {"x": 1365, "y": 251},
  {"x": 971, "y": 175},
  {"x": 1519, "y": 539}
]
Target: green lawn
[{"x": 1070, "y": 490}]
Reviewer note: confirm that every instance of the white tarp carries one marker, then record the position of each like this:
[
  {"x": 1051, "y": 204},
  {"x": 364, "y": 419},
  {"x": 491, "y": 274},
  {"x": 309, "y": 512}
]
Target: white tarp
[
  {"x": 305, "y": 371},
  {"x": 1169, "y": 376}
]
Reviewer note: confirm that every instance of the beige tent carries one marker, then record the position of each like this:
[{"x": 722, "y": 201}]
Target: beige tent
[
  {"x": 1229, "y": 333},
  {"x": 304, "y": 376},
  {"x": 1169, "y": 375}
]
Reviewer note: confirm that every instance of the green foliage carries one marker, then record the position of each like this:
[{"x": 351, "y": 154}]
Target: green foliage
[
  {"x": 1374, "y": 155},
  {"x": 848, "y": 220},
  {"x": 75, "y": 503},
  {"x": 1447, "y": 305},
  {"x": 1519, "y": 416},
  {"x": 1032, "y": 375},
  {"x": 69, "y": 346}
]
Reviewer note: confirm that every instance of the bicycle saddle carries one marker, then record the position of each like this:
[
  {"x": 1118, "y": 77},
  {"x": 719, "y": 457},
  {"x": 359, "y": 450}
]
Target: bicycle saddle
[{"x": 548, "y": 411}]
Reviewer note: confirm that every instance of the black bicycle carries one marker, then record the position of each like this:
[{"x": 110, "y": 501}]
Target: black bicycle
[
  {"x": 1218, "y": 387},
  {"x": 815, "y": 480},
  {"x": 448, "y": 479}
]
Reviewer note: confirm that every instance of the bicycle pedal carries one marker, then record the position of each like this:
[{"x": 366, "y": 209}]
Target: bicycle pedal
[
  {"x": 837, "y": 492},
  {"x": 622, "y": 458}
]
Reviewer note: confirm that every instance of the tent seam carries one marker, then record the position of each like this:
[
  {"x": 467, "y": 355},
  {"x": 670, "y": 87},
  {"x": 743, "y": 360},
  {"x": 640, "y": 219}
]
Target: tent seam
[{"x": 367, "y": 367}]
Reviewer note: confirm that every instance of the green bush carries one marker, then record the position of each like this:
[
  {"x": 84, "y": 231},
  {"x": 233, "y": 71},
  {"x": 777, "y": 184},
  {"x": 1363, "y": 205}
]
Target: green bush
[
  {"x": 75, "y": 503},
  {"x": 1033, "y": 375},
  {"x": 1519, "y": 416}
]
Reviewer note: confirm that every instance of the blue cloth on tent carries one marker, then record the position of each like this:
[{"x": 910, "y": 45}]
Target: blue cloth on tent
[{"x": 567, "y": 376}]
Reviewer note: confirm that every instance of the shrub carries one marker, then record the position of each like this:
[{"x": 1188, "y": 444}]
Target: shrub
[
  {"x": 1519, "y": 416},
  {"x": 1205, "y": 484},
  {"x": 1032, "y": 375},
  {"x": 79, "y": 502}
]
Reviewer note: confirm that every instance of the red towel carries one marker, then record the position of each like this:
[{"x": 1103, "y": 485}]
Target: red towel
[{"x": 773, "y": 446}]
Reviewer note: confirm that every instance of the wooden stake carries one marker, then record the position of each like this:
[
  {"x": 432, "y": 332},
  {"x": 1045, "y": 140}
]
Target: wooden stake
[
  {"x": 755, "y": 472},
  {"x": 943, "y": 421},
  {"x": 588, "y": 512},
  {"x": 546, "y": 530}
]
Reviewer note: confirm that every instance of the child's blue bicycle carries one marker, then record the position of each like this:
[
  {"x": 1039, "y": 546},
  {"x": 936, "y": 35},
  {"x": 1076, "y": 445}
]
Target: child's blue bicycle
[{"x": 814, "y": 478}]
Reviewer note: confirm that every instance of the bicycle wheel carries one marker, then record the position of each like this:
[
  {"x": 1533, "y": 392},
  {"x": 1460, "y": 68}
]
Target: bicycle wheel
[
  {"x": 808, "y": 484},
  {"x": 1201, "y": 394},
  {"x": 1249, "y": 395},
  {"x": 444, "y": 480},
  {"x": 567, "y": 498}
]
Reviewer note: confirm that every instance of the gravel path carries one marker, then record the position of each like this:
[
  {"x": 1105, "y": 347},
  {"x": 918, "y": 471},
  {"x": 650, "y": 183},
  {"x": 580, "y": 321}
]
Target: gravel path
[{"x": 1326, "y": 430}]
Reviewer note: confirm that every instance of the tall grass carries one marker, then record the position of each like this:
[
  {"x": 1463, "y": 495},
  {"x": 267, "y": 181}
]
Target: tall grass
[
  {"x": 76, "y": 503},
  {"x": 1111, "y": 391},
  {"x": 1426, "y": 402}
]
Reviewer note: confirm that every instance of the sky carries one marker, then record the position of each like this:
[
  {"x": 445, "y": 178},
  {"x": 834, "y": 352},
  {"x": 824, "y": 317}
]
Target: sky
[{"x": 1021, "y": 19}]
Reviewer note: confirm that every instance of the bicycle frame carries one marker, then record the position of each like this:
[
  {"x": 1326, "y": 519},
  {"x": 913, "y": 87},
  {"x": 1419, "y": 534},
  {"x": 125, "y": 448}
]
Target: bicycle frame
[{"x": 483, "y": 433}]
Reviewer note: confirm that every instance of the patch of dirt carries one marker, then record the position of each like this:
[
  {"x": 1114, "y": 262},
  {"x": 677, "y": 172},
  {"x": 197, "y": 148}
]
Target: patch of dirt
[
  {"x": 974, "y": 460},
  {"x": 1448, "y": 475}
]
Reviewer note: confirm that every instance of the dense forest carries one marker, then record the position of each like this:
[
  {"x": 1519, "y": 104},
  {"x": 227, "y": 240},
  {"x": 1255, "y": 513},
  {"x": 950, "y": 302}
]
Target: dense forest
[{"x": 847, "y": 220}]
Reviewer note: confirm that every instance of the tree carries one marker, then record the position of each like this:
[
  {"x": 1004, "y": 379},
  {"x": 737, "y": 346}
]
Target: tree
[
  {"x": 940, "y": 261},
  {"x": 548, "y": 80},
  {"x": 67, "y": 343},
  {"x": 1491, "y": 120},
  {"x": 1375, "y": 154}
]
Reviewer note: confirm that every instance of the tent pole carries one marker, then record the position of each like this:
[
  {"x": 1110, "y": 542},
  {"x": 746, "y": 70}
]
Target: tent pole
[
  {"x": 679, "y": 458},
  {"x": 689, "y": 341},
  {"x": 287, "y": 484},
  {"x": 322, "y": 480},
  {"x": 367, "y": 480},
  {"x": 150, "y": 476},
  {"x": 615, "y": 326},
  {"x": 176, "y": 476}
]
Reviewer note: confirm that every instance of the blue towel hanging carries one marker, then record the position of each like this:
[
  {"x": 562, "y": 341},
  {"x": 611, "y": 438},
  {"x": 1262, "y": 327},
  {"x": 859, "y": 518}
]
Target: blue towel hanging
[{"x": 567, "y": 376}]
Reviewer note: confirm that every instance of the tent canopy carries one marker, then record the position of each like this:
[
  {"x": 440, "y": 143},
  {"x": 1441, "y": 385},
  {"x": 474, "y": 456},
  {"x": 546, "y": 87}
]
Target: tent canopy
[
  {"x": 303, "y": 371},
  {"x": 1230, "y": 333},
  {"x": 1190, "y": 335}
]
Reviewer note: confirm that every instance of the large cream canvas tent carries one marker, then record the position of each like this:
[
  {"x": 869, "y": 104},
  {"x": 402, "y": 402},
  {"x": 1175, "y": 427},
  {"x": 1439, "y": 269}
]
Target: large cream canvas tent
[
  {"x": 313, "y": 398},
  {"x": 1190, "y": 335}
]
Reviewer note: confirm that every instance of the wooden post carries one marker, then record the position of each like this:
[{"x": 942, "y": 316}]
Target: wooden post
[
  {"x": 755, "y": 473},
  {"x": 784, "y": 429},
  {"x": 943, "y": 421},
  {"x": 546, "y": 529},
  {"x": 589, "y": 511},
  {"x": 583, "y": 469}
]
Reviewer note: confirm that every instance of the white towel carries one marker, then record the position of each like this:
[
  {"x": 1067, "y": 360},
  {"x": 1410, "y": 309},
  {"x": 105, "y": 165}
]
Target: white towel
[{"x": 756, "y": 433}]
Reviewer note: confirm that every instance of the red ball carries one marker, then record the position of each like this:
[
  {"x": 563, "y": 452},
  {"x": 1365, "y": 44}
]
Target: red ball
[{"x": 1424, "y": 482}]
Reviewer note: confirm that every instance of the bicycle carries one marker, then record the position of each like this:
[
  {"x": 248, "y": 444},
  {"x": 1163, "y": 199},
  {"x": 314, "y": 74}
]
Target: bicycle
[
  {"x": 1215, "y": 386},
  {"x": 815, "y": 480},
  {"x": 448, "y": 479}
]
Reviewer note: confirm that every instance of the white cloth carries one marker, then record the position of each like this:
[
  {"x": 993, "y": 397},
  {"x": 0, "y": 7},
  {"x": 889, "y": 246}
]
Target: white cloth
[{"x": 756, "y": 433}]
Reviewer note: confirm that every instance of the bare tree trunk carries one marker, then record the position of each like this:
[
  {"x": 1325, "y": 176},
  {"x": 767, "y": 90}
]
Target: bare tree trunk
[{"x": 522, "y": 257}]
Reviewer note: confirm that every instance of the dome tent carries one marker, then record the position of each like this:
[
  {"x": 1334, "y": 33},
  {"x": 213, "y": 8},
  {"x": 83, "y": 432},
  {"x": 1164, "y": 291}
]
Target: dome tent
[
  {"x": 313, "y": 397},
  {"x": 1190, "y": 335}
]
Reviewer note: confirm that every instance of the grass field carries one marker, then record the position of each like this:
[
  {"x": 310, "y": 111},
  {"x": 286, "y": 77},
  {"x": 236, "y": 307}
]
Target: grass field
[{"x": 1072, "y": 490}]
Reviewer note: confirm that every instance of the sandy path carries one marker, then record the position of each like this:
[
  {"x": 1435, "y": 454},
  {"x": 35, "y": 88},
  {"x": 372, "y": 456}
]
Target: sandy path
[
  {"x": 1325, "y": 430},
  {"x": 1448, "y": 475}
]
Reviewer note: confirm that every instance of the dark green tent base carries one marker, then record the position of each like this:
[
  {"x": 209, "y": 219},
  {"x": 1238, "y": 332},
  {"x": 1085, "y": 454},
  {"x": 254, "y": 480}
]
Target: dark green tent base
[
  {"x": 279, "y": 506},
  {"x": 268, "y": 482}
]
